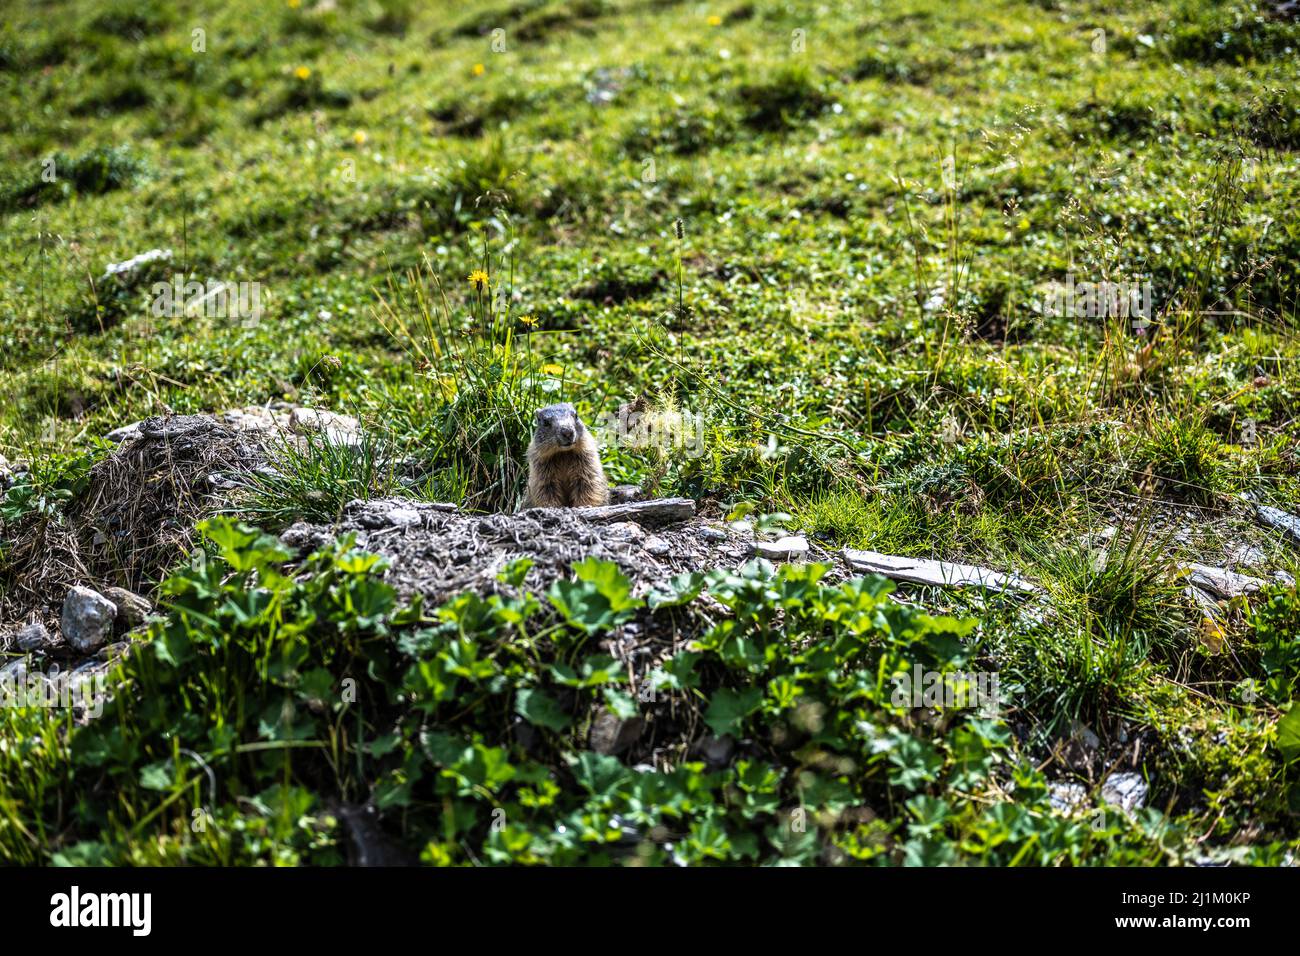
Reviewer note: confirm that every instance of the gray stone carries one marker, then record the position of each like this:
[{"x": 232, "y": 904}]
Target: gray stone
[
  {"x": 33, "y": 637},
  {"x": 1067, "y": 797},
  {"x": 1128, "y": 791},
  {"x": 124, "y": 434},
  {"x": 87, "y": 618},
  {"x": 937, "y": 573},
  {"x": 132, "y": 609},
  {"x": 337, "y": 429},
  {"x": 1206, "y": 604},
  {"x": 789, "y": 548},
  {"x": 712, "y": 534},
  {"x": 656, "y": 545},
  {"x": 1221, "y": 582},
  {"x": 1279, "y": 520},
  {"x": 1247, "y": 556}
]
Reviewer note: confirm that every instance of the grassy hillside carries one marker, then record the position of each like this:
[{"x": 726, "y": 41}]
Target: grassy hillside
[{"x": 831, "y": 230}]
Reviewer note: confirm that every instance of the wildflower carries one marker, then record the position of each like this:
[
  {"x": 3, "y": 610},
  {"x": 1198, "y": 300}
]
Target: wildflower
[
  {"x": 528, "y": 320},
  {"x": 478, "y": 69},
  {"x": 715, "y": 21},
  {"x": 552, "y": 369},
  {"x": 359, "y": 137},
  {"x": 479, "y": 279},
  {"x": 295, "y": 4},
  {"x": 302, "y": 72}
]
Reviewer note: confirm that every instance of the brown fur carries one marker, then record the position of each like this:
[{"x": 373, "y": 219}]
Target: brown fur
[{"x": 559, "y": 475}]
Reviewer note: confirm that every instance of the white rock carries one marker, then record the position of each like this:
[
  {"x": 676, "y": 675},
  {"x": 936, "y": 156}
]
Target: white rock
[
  {"x": 937, "y": 573},
  {"x": 124, "y": 434},
  {"x": 130, "y": 265},
  {"x": 656, "y": 545},
  {"x": 1221, "y": 582},
  {"x": 404, "y": 517},
  {"x": 87, "y": 618},
  {"x": 1067, "y": 797},
  {"x": 1128, "y": 791},
  {"x": 788, "y": 548},
  {"x": 339, "y": 429},
  {"x": 1279, "y": 520},
  {"x": 1247, "y": 556}
]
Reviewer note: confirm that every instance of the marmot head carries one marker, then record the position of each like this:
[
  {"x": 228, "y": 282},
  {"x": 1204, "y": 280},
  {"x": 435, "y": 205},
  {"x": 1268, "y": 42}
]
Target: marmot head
[{"x": 558, "y": 428}]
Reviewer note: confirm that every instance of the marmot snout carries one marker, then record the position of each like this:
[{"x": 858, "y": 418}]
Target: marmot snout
[{"x": 564, "y": 468}]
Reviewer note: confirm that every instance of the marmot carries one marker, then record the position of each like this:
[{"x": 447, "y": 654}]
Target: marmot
[{"x": 564, "y": 468}]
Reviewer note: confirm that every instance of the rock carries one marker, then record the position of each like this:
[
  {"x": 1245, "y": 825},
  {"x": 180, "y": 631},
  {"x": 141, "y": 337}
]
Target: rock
[
  {"x": 394, "y": 512},
  {"x": 254, "y": 419},
  {"x": 124, "y": 434},
  {"x": 124, "y": 270},
  {"x": 656, "y": 545},
  {"x": 625, "y": 531},
  {"x": 1067, "y": 797},
  {"x": 403, "y": 517},
  {"x": 708, "y": 533},
  {"x": 1284, "y": 579},
  {"x": 611, "y": 735},
  {"x": 1247, "y": 556},
  {"x": 1279, "y": 520},
  {"x": 132, "y": 609},
  {"x": 87, "y": 618},
  {"x": 624, "y": 494},
  {"x": 33, "y": 637},
  {"x": 1128, "y": 791},
  {"x": 789, "y": 548},
  {"x": 1221, "y": 582},
  {"x": 937, "y": 573},
  {"x": 1206, "y": 604},
  {"x": 337, "y": 429},
  {"x": 658, "y": 511}
]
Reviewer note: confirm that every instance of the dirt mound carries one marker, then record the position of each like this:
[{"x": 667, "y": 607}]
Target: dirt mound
[
  {"x": 436, "y": 551},
  {"x": 133, "y": 521}
]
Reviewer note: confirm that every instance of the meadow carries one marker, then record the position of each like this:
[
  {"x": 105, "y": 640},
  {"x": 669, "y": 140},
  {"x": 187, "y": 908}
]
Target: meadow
[{"x": 868, "y": 246}]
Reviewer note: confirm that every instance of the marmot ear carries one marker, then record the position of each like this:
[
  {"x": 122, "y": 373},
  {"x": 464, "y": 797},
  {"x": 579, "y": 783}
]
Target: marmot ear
[{"x": 537, "y": 416}]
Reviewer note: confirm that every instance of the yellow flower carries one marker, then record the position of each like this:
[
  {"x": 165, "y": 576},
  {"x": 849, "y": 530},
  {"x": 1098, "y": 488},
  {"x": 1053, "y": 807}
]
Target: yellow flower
[
  {"x": 479, "y": 279},
  {"x": 295, "y": 4},
  {"x": 359, "y": 137},
  {"x": 552, "y": 369},
  {"x": 479, "y": 69},
  {"x": 715, "y": 21},
  {"x": 302, "y": 72},
  {"x": 528, "y": 320}
]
